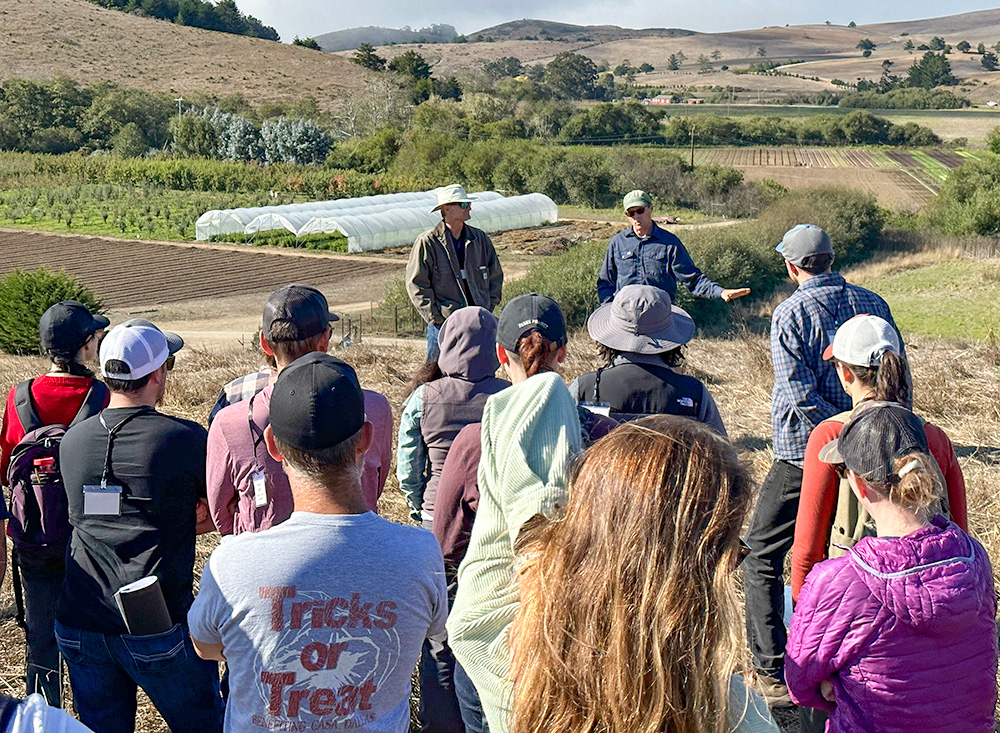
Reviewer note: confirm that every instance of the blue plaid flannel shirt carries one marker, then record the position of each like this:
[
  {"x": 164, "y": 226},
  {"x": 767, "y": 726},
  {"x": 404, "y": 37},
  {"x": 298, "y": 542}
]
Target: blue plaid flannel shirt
[{"x": 806, "y": 388}]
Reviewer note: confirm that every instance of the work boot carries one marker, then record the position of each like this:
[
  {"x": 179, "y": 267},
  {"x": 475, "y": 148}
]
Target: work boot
[{"x": 774, "y": 692}]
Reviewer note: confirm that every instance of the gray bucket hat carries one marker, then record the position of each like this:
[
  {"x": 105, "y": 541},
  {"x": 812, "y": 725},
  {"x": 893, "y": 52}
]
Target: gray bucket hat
[{"x": 641, "y": 320}]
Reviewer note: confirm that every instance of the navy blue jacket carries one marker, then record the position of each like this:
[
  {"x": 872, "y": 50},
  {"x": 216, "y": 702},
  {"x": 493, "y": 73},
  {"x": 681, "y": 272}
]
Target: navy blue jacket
[{"x": 659, "y": 260}]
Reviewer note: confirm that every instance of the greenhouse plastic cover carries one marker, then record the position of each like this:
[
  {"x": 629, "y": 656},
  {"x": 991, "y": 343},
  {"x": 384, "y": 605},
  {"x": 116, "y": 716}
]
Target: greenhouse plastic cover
[{"x": 377, "y": 222}]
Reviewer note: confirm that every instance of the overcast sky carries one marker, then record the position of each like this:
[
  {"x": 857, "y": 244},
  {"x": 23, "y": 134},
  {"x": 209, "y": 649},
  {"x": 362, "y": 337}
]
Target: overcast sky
[{"x": 307, "y": 18}]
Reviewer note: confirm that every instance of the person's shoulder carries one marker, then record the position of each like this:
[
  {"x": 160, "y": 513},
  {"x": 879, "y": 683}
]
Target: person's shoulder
[
  {"x": 177, "y": 426},
  {"x": 33, "y": 714},
  {"x": 230, "y": 415},
  {"x": 375, "y": 400},
  {"x": 467, "y": 437},
  {"x": 619, "y": 237},
  {"x": 828, "y": 579},
  {"x": 826, "y": 431},
  {"x": 413, "y": 541}
]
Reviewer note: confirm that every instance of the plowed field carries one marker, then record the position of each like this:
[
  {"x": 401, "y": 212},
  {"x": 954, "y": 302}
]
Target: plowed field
[{"x": 125, "y": 273}]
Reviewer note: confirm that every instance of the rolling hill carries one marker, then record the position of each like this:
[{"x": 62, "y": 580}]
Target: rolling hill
[
  {"x": 828, "y": 51},
  {"x": 42, "y": 39},
  {"x": 350, "y": 38}
]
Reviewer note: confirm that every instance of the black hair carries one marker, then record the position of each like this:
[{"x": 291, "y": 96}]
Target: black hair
[
  {"x": 69, "y": 365},
  {"x": 673, "y": 358},
  {"x": 117, "y": 366},
  {"x": 816, "y": 264}
]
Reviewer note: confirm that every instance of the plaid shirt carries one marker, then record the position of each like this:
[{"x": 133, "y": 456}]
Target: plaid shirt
[
  {"x": 241, "y": 388},
  {"x": 806, "y": 388}
]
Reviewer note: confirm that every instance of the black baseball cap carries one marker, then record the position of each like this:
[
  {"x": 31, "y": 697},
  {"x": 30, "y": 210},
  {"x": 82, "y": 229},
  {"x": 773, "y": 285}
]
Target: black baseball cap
[
  {"x": 530, "y": 312},
  {"x": 316, "y": 403},
  {"x": 876, "y": 435},
  {"x": 67, "y": 325},
  {"x": 302, "y": 306}
]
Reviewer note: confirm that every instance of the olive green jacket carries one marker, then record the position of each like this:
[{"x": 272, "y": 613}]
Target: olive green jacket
[{"x": 433, "y": 278}]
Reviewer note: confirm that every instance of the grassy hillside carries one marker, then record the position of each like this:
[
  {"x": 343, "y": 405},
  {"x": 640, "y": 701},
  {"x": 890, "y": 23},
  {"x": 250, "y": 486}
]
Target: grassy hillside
[{"x": 41, "y": 39}]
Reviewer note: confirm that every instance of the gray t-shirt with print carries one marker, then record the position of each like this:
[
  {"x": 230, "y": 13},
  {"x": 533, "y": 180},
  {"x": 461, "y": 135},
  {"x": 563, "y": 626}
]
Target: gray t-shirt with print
[{"x": 322, "y": 619}]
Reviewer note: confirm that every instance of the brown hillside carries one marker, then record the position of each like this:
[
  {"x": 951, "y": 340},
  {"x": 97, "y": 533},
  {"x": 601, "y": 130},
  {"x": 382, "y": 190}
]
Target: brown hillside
[
  {"x": 41, "y": 39},
  {"x": 829, "y": 50}
]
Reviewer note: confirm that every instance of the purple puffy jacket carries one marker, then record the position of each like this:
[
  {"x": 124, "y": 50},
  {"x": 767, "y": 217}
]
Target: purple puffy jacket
[{"x": 905, "y": 629}]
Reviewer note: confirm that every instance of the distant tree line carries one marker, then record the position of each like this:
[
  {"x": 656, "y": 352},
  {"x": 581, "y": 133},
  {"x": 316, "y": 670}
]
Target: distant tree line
[{"x": 222, "y": 16}]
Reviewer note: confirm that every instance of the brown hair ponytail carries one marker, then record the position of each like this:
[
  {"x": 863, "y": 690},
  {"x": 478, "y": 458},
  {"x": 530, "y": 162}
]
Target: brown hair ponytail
[
  {"x": 890, "y": 379},
  {"x": 916, "y": 482},
  {"x": 533, "y": 351}
]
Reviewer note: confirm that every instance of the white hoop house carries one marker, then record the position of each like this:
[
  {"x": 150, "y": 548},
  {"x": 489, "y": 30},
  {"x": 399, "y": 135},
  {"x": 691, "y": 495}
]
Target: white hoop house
[{"x": 377, "y": 222}]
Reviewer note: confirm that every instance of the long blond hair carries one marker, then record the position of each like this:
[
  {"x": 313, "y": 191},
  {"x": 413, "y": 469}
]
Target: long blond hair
[{"x": 628, "y": 620}]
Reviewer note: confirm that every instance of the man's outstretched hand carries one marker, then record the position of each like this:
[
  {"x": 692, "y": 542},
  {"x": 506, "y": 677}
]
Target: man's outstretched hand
[{"x": 734, "y": 293}]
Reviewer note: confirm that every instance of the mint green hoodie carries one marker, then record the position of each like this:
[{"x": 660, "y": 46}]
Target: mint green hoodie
[{"x": 530, "y": 431}]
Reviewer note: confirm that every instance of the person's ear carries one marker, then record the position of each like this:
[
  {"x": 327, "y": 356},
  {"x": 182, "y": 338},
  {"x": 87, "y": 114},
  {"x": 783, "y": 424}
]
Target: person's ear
[
  {"x": 502, "y": 355},
  {"x": 858, "y": 484},
  {"x": 561, "y": 354},
  {"x": 324, "y": 343},
  {"x": 263, "y": 345},
  {"x": 844, "y": 372},
  {"x": 272, "y": 447},
  {"x": 367, "y": 438},
  {"x": 792, "y": 270}
]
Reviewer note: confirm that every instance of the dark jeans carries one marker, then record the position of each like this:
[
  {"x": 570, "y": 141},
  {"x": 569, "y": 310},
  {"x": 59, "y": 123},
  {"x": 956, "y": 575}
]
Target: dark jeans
[
  {"x": 468, "y": 702},
  {"x": 106, "y": 670},
  {"x": 772, "y": 528},
  {"x": 438, "y": 711},
  {"x": 433, "y": 349},
  {"x": 42, "y": 570}
]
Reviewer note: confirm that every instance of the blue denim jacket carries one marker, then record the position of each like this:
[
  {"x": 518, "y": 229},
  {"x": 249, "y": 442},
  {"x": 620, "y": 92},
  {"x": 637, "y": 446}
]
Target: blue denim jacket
[{"x": 659, "y": 260}]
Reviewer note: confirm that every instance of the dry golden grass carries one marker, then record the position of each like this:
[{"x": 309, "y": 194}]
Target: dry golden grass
[
  {"x": 43, "y": 39},
  {"x": 957, "y": 387}
]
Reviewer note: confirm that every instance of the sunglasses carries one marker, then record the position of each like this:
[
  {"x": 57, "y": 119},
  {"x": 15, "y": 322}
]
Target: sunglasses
[
  {"x": 169, "y": 363},
  {"x": 463, "y": 204},
  {"x": 632, "y": 213}
]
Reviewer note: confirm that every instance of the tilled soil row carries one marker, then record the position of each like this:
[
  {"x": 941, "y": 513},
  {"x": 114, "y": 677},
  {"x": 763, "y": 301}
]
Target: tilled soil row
[{"x": 127, "y": 273}]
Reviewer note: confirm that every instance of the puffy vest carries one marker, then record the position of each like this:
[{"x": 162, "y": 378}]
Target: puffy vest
[{"x": 450, "y": 403}]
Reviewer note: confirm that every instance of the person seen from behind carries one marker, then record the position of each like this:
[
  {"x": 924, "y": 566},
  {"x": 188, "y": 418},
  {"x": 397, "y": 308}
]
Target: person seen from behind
[
  {"x": 806, "y": 391},
  {"x": 640, "y": 335},
  {"x": 453, "y": 396},
  {"x": 867, "y": 355},
  {"x": 67, "y": 394},
  {"x": 247, "y": 489},
  {"x": 529, "y": 433},
  {"x": 900, "y": 633},
  {"x": 135, "y": 485},
  {"x": 647, "y": 254},
  {"x": 452, "y": 266},
  {"x": 322, "y": 617},
  {"x": 641, "y": 568}
]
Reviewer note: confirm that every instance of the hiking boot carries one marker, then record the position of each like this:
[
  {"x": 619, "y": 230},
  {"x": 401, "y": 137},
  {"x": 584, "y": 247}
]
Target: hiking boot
[{"x": 774, "y": 692}]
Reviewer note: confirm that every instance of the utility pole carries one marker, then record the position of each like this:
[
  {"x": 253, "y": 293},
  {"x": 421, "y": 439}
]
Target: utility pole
[{"x": 692, "y": 147}]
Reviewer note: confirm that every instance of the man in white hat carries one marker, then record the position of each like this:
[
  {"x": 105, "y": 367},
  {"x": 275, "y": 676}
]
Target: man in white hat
[{"x": 452, "y": 266}]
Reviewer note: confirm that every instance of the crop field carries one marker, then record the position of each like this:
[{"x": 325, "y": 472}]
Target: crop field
[
  {"x": 125, "y": 273},
  {"x": 900, "y": 179},
  {"x": 949, "y": 124}
]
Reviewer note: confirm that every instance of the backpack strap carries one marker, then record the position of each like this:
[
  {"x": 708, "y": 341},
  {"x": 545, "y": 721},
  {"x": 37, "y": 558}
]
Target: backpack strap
[
  {"x": 8, "y": 707},
  {"x": 92, "y": 403},
  {"x": 24, "y": 405}
]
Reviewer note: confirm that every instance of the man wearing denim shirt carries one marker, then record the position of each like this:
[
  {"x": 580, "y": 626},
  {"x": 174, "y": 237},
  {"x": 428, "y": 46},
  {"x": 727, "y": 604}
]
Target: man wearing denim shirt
[
  {"x": 645, "y": 254},
  {"x": 806, "y": 392}
]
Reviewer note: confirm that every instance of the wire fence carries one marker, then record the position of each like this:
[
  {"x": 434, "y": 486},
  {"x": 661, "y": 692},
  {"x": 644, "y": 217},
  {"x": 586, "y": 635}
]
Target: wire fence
[{"x": 397, "y": 321}]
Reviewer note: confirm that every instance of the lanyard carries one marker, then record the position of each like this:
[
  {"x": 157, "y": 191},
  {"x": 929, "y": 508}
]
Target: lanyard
[
  {"x": 256, "y": 434},
  {"x": 112, "y": 432},
  {"x": 597, "y": 385}
]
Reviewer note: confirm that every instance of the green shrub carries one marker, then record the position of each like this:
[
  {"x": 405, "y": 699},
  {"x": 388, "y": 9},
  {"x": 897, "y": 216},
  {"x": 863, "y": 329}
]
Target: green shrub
[
  {"x": 969, "y": 202},
  {"x": 25, "y": 296}
]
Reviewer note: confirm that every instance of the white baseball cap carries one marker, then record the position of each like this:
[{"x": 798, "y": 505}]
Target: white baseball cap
[
  {"x": 140, "y": 345},
  {"x": 862, "y": 341}
]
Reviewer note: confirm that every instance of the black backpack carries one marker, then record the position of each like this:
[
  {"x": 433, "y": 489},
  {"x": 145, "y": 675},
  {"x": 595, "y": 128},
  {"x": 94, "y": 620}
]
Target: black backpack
[{"x": 38, "y": 505}]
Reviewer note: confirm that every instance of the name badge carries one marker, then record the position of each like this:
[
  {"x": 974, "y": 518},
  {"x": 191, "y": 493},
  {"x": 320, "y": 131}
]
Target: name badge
[
  {"x": 598, "y": 408},
  {"x": 102, "y": 501},
  {"x": 259, "y": 482}
]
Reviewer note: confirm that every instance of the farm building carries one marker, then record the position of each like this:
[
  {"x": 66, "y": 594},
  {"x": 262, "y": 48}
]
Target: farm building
[{"x": 376, "y": 222}]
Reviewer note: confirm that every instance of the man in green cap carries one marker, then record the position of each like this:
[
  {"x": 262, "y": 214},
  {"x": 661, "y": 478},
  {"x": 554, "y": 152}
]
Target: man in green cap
[{"x": 645, "y": 254}]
